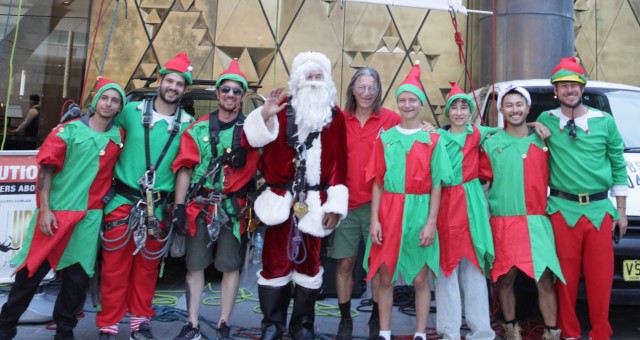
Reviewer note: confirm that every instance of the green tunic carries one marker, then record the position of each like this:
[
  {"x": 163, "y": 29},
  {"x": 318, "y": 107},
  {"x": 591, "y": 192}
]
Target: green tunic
[
  {"x": 522, "y": 233},
  {"x": 406, "y": 166},
  {"x": 84, "y": 160},
  {"x": 132, "y": 164},
  {"x": 592, "y": 163}
]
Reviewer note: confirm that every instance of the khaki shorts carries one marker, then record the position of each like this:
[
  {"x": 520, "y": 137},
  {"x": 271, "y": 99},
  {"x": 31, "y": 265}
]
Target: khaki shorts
[
  {"x": 228, "y": 250},
  {"x": 346, "y": 238}
]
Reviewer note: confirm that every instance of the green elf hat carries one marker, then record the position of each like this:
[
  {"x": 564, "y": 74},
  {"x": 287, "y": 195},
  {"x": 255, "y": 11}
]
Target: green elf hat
[
  {"x": 412, "y": 84},
  {"x": 181, "y": 65},
  {"x": 457, "y": 93},
  {"x": 103, "y": 85},
  {"x": 568, "y": 70},
  {"x": 233, "y": 73}
]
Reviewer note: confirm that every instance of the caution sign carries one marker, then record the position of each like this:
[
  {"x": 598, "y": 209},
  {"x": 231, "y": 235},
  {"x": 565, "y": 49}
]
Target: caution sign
[{"x": 18, "y": 177}]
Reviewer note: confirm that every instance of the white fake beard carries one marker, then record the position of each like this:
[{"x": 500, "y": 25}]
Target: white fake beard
[{"x": 313, "y": 105}]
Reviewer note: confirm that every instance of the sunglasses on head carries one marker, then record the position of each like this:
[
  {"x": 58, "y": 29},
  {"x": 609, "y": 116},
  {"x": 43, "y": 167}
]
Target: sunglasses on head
[
  {"x": 236, "y": 91},
  {"x": 573, "y": 132}
]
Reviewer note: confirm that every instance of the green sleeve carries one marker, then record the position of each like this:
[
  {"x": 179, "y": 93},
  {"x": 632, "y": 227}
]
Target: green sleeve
[
  {"x": 615, "y": 153},
  {"x": 441, "y": 172},
  {"x": 485, "y": 130}
]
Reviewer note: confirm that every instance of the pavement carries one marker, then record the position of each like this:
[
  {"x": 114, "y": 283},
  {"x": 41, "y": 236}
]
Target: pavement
[{"x": 170, "y": 305}]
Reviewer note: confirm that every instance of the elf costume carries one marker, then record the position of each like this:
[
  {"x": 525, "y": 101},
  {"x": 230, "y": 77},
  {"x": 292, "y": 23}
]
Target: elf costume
[
  {"x": 83, "y": 160},
  {"x": 466, "y": 244},
  {"x": 582, "y": 171},
  {"x": 128, "y": 282},
  {"x": 522, "y": 233}
]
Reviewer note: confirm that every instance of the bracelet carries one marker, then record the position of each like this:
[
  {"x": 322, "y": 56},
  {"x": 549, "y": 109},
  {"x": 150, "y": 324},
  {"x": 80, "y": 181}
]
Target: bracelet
[{"x": 625, "y": 208}]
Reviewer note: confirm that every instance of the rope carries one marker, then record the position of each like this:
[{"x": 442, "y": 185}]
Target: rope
[
  {"x": 4, "y": 38},
  {"x": 113, "y": 24},
  {"x": 13, "y": 51},
  {"x": 275, "y": 40},
  {"x": 457, "y": 37},
  {"x": 93, "y": 44}
]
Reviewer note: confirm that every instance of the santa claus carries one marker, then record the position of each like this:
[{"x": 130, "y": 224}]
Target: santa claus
[{"x": 303, "y": 162}]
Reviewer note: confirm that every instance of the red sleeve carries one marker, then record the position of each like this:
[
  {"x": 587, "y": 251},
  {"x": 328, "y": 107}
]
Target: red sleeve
[
  {"x": 189, "y": 154},
  {"x": 485, "y": 171},
  {"x": 53, "y": 151},
  {"x": 340, "y": 144},
  {"x": 376, "y": 167}
]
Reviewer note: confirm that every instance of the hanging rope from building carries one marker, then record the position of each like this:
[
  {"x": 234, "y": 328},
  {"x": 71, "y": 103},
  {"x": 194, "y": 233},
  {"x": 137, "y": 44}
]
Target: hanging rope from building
[{"x": 13, "y": 51}]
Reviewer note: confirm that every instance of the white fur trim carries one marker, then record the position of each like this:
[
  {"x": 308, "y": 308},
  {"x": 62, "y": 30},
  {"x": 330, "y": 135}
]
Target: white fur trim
[
  {"x": 311, "y": 223},
  {"x": 337, "y": 200},
  {"x": 306, "y": 62},
  {"x": 314, "y": 156},
  {"x": 275, "y": 282},
  {"x": 271, "y": 208},
  {"x": 256, "y": 130},
  {"x": 307, "y": 281}
]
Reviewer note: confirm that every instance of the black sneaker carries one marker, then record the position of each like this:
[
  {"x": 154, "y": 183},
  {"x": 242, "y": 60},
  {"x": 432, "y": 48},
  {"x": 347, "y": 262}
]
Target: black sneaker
[
  {"x": 143, "y": 333},
  {"x": 8, "y": 334},
  {"x": 188, "y": 332},
  {"x": 67, "y": 336},
  {"x": 374, "y": 328},
  {"x": 106, "y": 336},
  {"x": 224, "y": 331},
  {"x": 345, "y": 329}
]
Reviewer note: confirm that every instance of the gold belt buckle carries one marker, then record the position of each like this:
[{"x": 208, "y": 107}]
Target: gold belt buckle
[{"x": 583, "y": 199}]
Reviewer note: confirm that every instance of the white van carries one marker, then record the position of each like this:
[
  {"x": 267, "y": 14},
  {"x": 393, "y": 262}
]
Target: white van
[{"x": 623, "y": 102}]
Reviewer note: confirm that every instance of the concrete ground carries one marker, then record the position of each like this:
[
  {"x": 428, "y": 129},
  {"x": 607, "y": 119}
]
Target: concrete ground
[{"x": 171, "y": 309}]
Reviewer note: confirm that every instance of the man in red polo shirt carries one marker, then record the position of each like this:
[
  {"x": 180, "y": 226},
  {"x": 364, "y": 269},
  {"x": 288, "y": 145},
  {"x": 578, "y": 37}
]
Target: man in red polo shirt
[{"x": 365, "y": 120}]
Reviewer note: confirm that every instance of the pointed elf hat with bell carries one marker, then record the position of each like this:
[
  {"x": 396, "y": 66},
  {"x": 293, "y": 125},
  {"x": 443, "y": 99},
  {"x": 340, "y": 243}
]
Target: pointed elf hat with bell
[
  {"x": 181, "y": 65},
  {"x": 233, "y": 73},
  {"x": 457, "y": 93},
  {"x": 568, "y": 70},
  {"x": 103, "y": 85},
  {"x": 412, "y": 84}
]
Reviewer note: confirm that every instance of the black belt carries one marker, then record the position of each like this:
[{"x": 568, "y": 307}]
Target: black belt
[
  {"x": 583, "y": 199},
  {"x": 287, "y": 186},
  {"x": 110, "y": 225},
  {"x": 135, "y": 194}
]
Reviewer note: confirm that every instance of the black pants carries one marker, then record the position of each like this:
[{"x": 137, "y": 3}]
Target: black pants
[{"x": 69, "y": 302}]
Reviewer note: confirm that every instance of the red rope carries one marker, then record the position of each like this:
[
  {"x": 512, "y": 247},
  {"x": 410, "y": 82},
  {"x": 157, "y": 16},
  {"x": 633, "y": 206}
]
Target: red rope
[
  {"x": 93, "y": 44},
  {"x": 457, "y": 36},
  {"x": 493, "y": 55}
]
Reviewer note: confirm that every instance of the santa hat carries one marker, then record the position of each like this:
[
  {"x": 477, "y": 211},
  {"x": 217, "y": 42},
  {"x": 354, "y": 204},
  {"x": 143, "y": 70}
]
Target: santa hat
[
  {"x": 412, "y": 84},
  {"x": 103, "y": 85},
  {"x": 568, "y": 70},
  {"x": 233, "y": 73},
  {"x": 513, "y": 89},
  {"x": 181, "y": 65},
  {"x": 456, "y": 93}
]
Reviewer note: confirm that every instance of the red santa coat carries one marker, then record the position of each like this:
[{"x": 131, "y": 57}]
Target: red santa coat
[{"x": 326, "y": 165}]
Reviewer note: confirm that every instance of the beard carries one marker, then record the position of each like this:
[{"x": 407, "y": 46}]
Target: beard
[
  {"x": 313, "y": 105},
  {"x": 163, "y": 94}
]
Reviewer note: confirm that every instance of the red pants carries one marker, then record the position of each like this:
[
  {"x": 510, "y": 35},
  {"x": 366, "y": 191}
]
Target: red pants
[
  {"x": 587, "y": 248},
  {"x": 276, "y": 262},
  {"x": 127, "y": 282}
]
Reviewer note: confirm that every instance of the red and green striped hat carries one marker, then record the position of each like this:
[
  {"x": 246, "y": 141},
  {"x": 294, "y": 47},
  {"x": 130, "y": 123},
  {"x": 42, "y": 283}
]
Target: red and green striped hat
[
  {"x": 412, "y": 84},
  {"x": 568, "y": 70},
  {"x": 233, "y": 73},
  {"x": 457, "y": 93},
  {"x": 181, "y": 65}
]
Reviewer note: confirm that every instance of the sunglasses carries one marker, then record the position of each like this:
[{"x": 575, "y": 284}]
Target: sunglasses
[
  {"x": 573, "y": 132},
  {"x": 236, "y": 91}
]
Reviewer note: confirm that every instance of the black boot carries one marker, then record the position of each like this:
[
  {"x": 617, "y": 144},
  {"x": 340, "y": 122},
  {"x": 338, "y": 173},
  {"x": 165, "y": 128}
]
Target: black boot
[
  {"x": 304, "y": 312},
  {"x": 274, "y": 302}
]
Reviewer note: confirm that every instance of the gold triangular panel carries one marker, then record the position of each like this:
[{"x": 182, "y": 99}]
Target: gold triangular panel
[
  {"x": 153, "y": 17},
  {"x": 390, "y": 42},
  {"x": 260, "y": 59},
  {"x": 432, "y": 60},
  {"x": 186, "y": 4},
  {"x": 358, "y": 61},
  {"x": 280, "y": 18},
  {"x": 245, "y": 20},
  {"x": 148, "y": 69},
  {"x": 155, "y": 3},
  {"x": 247, "y": 67},
  {"x": 407, "y": 21}
]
